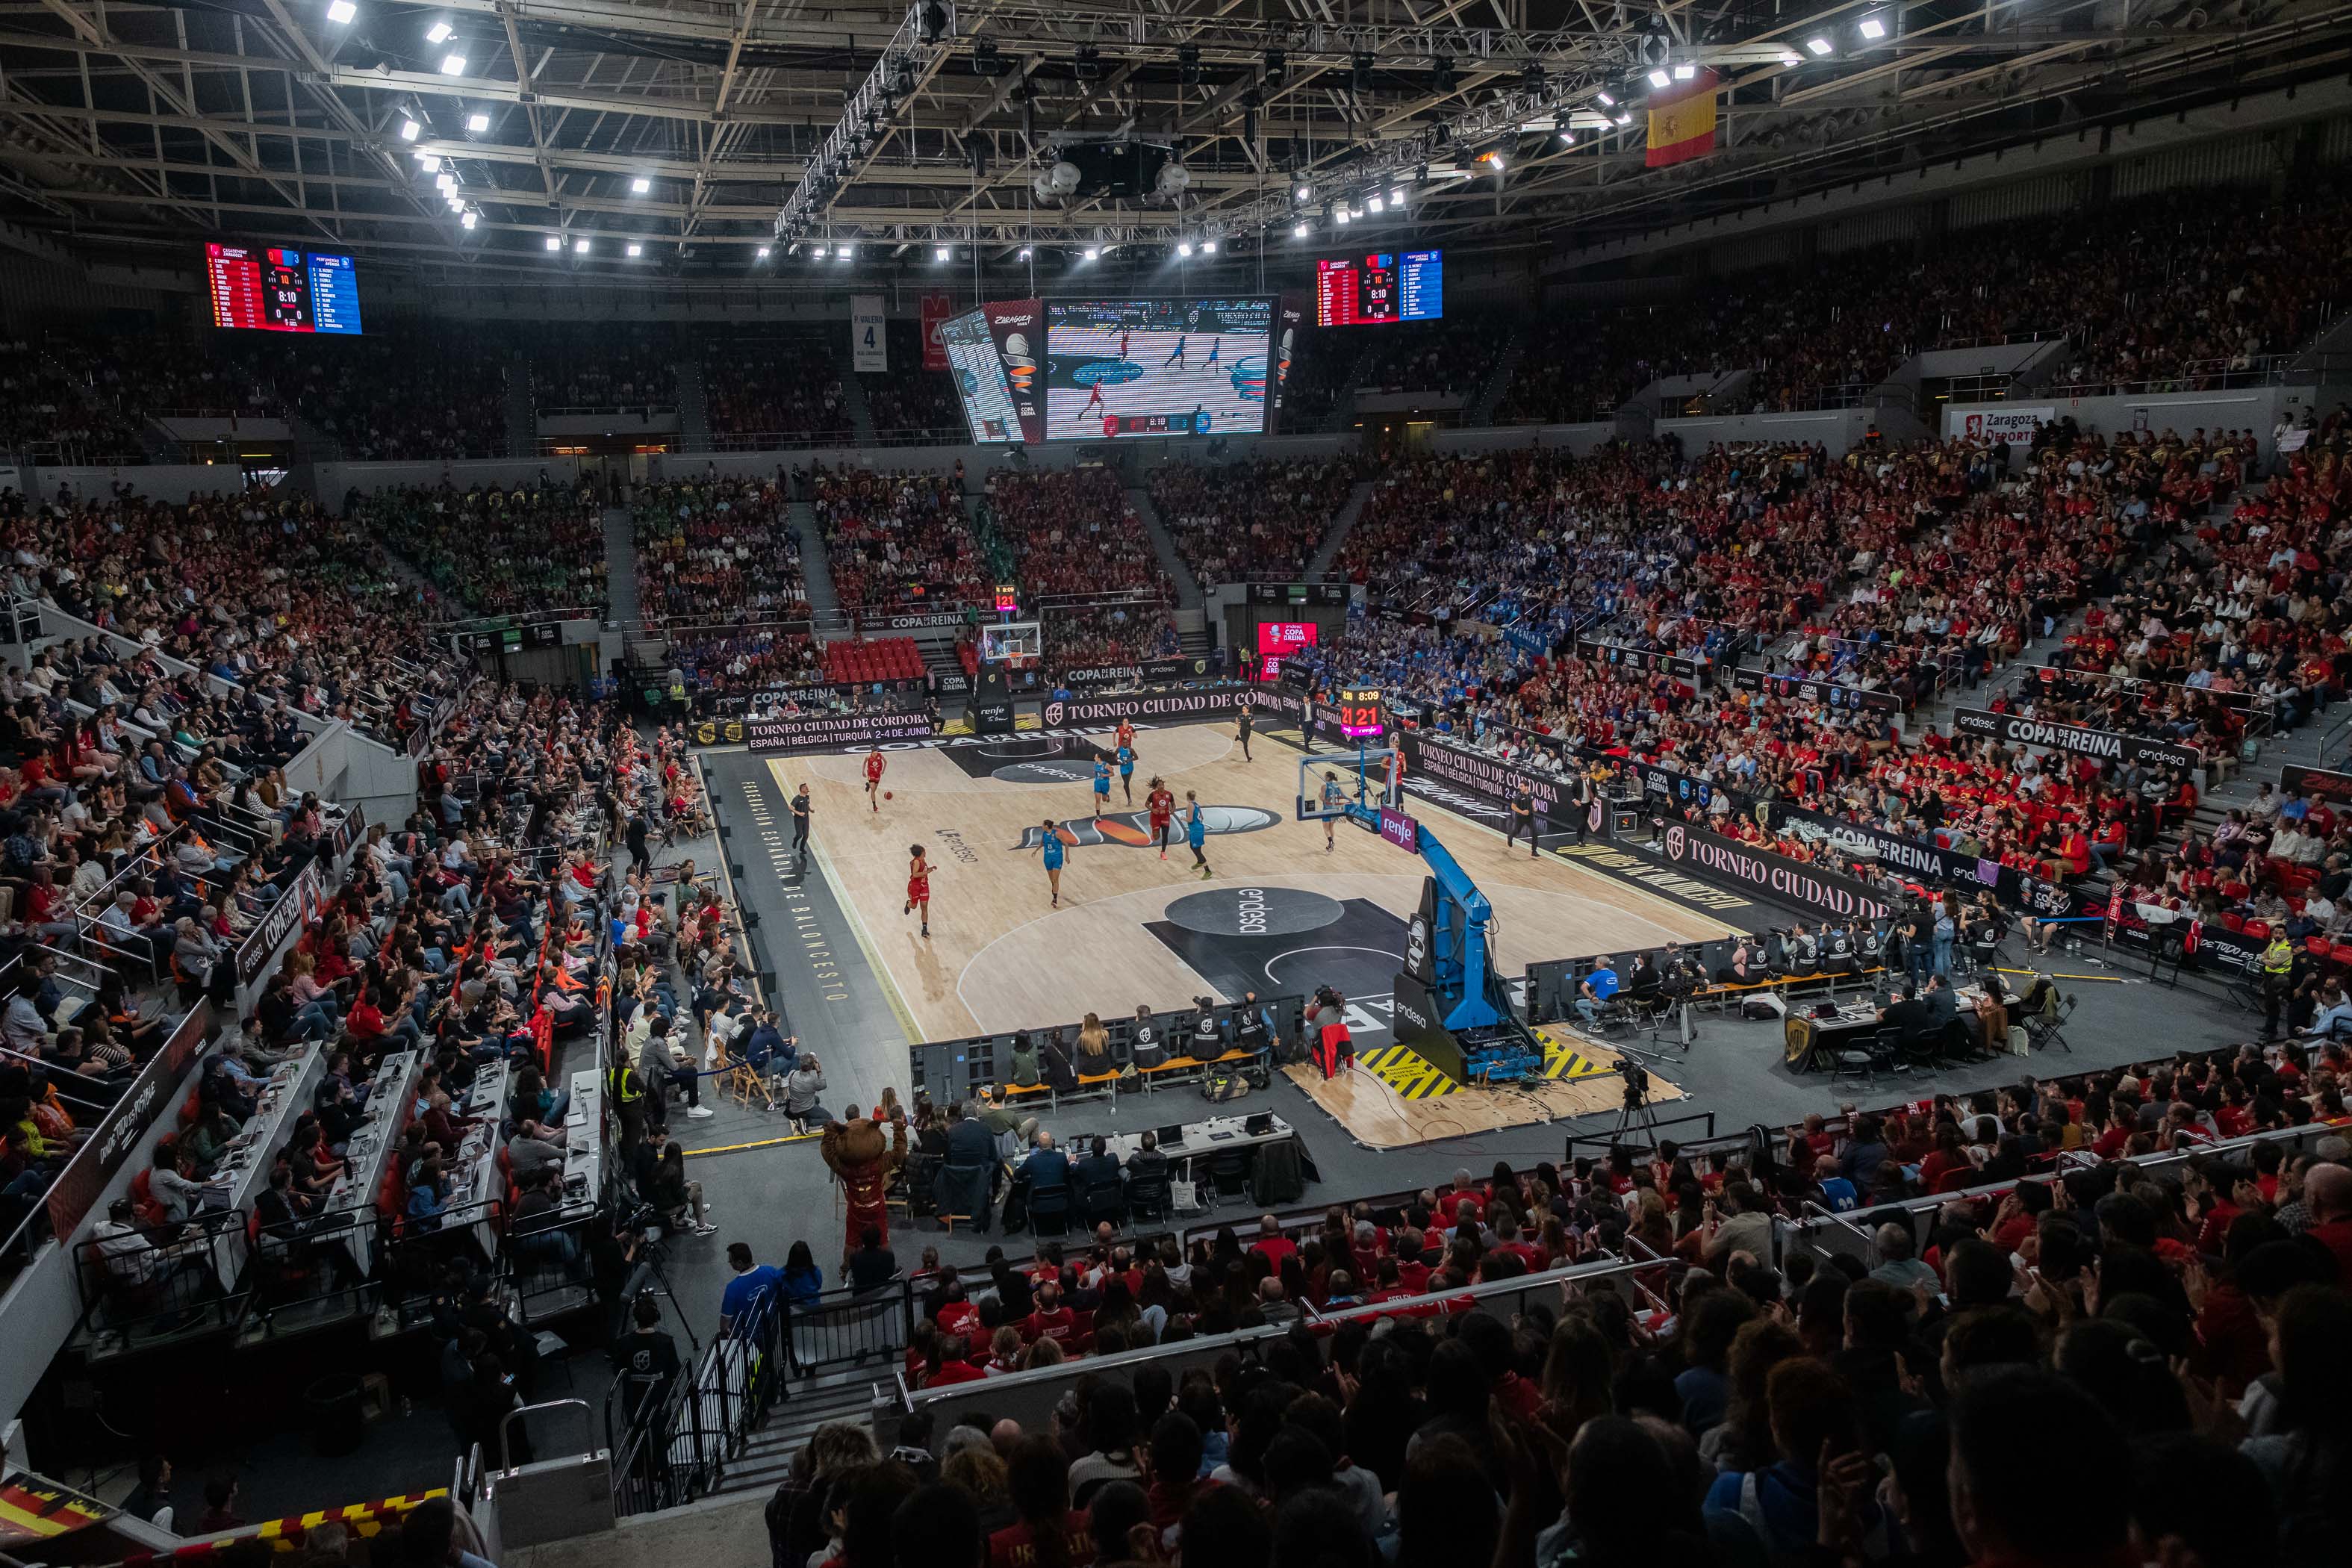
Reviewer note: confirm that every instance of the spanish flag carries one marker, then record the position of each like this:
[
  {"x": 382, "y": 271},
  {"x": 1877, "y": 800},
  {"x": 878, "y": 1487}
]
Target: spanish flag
[{"x": 1682, "y": 122}]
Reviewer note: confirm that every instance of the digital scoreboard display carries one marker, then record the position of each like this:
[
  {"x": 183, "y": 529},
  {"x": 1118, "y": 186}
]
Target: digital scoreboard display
[
  {"x": 1277, "y": 640},
  {"x": 270, "y": 289},
  {"x": 1361, "y": 717},
  {"x": 1118, "y": 368},
  {"x": 1380, "y": 289}
]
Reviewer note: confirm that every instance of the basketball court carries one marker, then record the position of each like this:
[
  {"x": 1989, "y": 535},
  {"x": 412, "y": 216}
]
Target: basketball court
[{"x": 1281, "y": 915}]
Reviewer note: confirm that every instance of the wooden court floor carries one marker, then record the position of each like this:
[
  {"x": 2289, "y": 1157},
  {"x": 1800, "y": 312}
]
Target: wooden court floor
[{"x": 1280, "y": 913}]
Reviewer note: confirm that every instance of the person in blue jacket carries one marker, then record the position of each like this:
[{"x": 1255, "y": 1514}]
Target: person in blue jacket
[{"x": 1196, "y": 833}]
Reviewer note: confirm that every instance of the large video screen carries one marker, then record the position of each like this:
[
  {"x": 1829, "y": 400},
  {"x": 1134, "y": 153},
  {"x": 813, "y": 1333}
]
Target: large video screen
[
  {"x": 275, "y": 290},
  {"x": 1277, "y": 640},
  {"x": 1380, "y": 289},
  {"x": 981, "y": 379},
  {"x": 1118, "y": 368}
]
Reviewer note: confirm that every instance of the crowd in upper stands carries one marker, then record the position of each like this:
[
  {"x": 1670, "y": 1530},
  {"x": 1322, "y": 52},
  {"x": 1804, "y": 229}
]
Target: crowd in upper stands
[
  {"x": 910, "y": 400},
  {"x": 716, "y": 551},
  {"x": 394, "y": 395},
  {"x": 788, "y": 388},
  {"x": 612, "y": 365},
  {"x": 497, "y": 549},
  {"x": 1071, "y": 531},
  {"x": 898, "y": 540},
  {"x": 1262, "y": 520}
]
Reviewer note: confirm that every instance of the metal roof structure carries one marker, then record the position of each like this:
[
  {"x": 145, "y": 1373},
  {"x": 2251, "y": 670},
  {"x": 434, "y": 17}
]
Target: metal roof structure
[{"x": 708, "y": 139}]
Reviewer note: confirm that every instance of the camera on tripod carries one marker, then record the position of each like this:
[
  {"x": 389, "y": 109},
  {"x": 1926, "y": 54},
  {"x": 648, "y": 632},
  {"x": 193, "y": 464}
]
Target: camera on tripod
[{"x": 1637, "y": 1082}]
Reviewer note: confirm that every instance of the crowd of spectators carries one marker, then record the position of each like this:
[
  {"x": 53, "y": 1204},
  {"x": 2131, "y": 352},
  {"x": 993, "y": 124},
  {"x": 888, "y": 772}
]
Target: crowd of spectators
[
  {"x": 611, "y": 365},
  {"x": 1099, "y": 636},
  {"x": 739, "y": 662},
  {"x": 54, "y": 398},
  {"x": 910, "y": 400},
  {"x": 261, "y": 589},
  {"x": 1738, "y": 1382},
  {"x": 2147, "y": 292},
  {"x": 496, "y": 550},
  {"x": 396, "y": 395},
  {"x": 1454, "y": 357},
  {"x": 718, "y": 551},
  {"x": 1262, "y": 520},
  {"x": 1319, "y": 377},
  {"x": 1071, "y": 531},
  {"x": 898, "y": 540},
  {"x": 788, "y": 388}
]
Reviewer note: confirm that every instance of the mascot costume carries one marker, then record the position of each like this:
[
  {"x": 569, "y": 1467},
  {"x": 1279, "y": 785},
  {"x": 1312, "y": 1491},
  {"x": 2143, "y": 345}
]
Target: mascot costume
[{"x": 863, "y": 1158}]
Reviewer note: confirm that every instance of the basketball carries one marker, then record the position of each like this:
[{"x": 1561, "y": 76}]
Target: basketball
[{"x": 887, "y": 796}]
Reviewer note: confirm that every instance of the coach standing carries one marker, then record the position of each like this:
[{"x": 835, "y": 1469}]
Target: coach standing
[
  {"x": 1241, "y": 728},
  {"x": 800, "y": 805},
  {"x": 1523, "y": 816}
]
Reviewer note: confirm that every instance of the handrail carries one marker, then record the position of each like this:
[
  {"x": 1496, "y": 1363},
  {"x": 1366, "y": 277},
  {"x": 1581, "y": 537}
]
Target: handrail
[{"x": 506, "y": 1428}]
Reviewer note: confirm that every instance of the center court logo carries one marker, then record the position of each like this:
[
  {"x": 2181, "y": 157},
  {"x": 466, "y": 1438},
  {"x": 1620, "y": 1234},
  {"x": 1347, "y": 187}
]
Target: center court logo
[{"x": 1133, "y": 828}]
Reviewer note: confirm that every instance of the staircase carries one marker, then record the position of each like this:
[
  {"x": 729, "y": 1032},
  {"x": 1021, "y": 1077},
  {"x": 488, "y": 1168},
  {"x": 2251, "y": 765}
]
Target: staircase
[
  {"x": 841, "y": 1393},
  {"x": 621, "y": 564},
  {"x": 1349, "y": 513},
  {"x": 693, "y": 408},
  {"x": 861, "y": 414},
  {"x": 1482, "y": 407},
  {"x": 1342, "y": 416},
  {"x": 522, "y": 409},
  {"x": 825, "y": 615},
  {"x": 1163, "y": 545}
]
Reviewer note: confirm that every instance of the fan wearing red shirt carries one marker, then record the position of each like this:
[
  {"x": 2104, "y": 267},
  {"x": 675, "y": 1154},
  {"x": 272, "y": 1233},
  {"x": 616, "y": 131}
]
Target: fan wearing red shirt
[
  {"x": 1050, "y": 1319},
  {"x": 1272, "y": 1242}
]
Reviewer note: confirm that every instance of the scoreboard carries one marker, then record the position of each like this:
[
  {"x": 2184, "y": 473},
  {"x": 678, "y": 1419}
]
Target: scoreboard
[
  {"x": 1362, "y": 715},
  {"x": 1380, "y": 289},
  {"x": 271, "y": 289}
]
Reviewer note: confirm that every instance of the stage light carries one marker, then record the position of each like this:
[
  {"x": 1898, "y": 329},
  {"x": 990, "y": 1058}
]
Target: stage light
[
  {"x": 1305, "y": 193},
  {"x": 477, "y": 123},
  {"x": 1183, "y": 248},
  {"x": 1090, "y": 253},
  {"x": 1873, "y": 28},
  {"x": 1659, "y": 78},
  {"x": 944, "y": 253},
  {"x": 1625, "y": 120},
  {"x": 444, "y": 184},
  {"x": 846, "y": 251},
  {"x": 761, "y": 254},
  {"x": 457, "y": 202},
  {"x": 1396, "y": 197},
  {"x": 453, "y": 65},
  {"x": 579, "y": 247},
  {"x": 343, "y": 13},
  {"x": 1277, "y": 65},
  {"x": 1340, "y": 216},
  {"x": 438, "y": 33},
  {"x": 640, "y": 185},
  {"x": 1820, "y": 46},
  {"x": 410, "y": 130},
  {"x": 1495, "y": 159},
  {"x": 1298, "y": 231},
  {"x": 1022, "y": 255},
  {"x": 1566, "y": 136},
  {"x": 1207, "y": 248},
  {"x": 1687, "y": 72},
  {"x": 1606, "y": 101},
  {"x": 470, "y": 220},
  {"x": 554, "y": 242},
  {"x": 1377, "y": 205},
  {"x": 635, "y": 249},
  {"x": 425, "y": 159}
]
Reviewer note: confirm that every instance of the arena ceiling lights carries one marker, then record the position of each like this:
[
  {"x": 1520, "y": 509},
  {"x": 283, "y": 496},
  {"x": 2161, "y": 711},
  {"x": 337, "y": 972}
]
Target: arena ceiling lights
[{"x": 139, "y": 122}]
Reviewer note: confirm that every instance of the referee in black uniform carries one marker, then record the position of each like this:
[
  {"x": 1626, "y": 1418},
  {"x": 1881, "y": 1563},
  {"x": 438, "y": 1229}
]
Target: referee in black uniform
[
  {"x": 1523, "y": 816},
  {"x": 1242, "y": 727},
  {"x": 801, "y": 822}
]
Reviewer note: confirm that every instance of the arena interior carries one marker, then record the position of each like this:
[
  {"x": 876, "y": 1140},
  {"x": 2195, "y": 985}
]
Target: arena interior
[{"x": 1229, "y": 786}]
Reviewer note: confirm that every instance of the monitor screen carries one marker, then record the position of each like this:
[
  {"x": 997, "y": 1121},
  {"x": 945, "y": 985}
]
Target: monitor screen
[
  {"x": 1380, "y": 289},
  {"x": 981, "y": 379},
  {"x": 271, "y": 289},
  {"x": 1118, "y": 368},
  {"x": 1277, "y": 640}
]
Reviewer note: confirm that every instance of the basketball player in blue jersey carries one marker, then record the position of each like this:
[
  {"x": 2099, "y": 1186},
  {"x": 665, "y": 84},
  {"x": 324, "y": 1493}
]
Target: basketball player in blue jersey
[
  {"x": 1054, "y": 845},
  {"x": 1215, "y": 346},
  {"x": 1102, "y": 785},
  {"x": 1334, "y": 797},
  {"x": 1177, "y": 357},
  {"x": 1126, "y": 772}
]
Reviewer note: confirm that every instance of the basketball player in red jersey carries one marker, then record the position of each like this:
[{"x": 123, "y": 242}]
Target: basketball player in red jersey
[
  {"x": 1396, "y": 778},
  {"x": 918, "y": 886},
  {"x": 1161, "y": 802},
  {"x": 874, "y": 766}
]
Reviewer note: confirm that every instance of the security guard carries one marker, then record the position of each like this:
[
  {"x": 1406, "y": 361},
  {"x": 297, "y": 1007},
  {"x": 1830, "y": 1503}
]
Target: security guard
[
  {"x": 624, "y": 1091},
  {"x": 2278, "y": 979}
]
